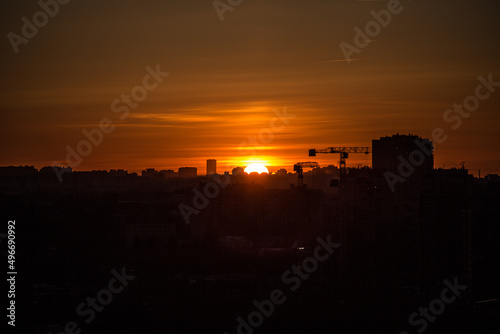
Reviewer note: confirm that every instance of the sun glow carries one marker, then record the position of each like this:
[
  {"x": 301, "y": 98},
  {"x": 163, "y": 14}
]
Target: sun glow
[{"x": 256, "y": 167}]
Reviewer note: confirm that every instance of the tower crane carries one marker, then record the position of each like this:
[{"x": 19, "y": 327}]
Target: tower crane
[
  {"x": 299, "y": 166},
  {"x": 344, "y": 154}
]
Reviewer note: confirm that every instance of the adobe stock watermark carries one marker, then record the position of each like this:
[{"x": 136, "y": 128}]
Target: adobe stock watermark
[
  {"x": 222, "y": 6},
  {"x": 201, "y": 200},
  {"x": 121, "y": 106},
  {"x": 362, "y": 39},
  {"x": 87, "y": 310},
  {"x": 436, "y": 306},
  {"x": 455, "y": 116},
  {"x": 29, "y": 30},
  {"x": 293, "y": 279},
  {"x": 212, "y": 189}
]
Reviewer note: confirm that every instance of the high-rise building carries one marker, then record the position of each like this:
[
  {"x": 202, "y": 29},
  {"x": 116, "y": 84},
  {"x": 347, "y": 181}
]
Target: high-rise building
[
  {"x": 211, "y": 166},
  {"x": 188, "y": 172},
  {"x": 388, "y": 152}
]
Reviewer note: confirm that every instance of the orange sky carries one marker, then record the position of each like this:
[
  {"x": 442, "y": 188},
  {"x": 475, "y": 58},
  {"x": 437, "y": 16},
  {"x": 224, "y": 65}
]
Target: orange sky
[{"x": 226, "y": 78}]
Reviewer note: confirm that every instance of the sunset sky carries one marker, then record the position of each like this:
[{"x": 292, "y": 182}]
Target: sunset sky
[{"x": 227, "y": 78}]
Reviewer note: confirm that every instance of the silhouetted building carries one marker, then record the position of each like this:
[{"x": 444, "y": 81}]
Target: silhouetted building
[
  {"x": 492, "y": 177},
  {"x": 188, "y": 172},
  {"x": 237, "y": 171},
  {"x": 389, "y": 153},
  {"x": 118, "y": 172},
  {"x": 150, "y": 172},
  {"x": 19, "y": 171},
  {"x": 211, "y": 166},
  {"x": 446, "y": 217},
  {"x": 168, "y": 173}
]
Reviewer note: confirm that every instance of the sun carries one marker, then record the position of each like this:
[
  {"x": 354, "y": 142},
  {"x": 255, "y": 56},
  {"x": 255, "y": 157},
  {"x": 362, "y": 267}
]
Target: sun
[{"x": 256, "y": 167}]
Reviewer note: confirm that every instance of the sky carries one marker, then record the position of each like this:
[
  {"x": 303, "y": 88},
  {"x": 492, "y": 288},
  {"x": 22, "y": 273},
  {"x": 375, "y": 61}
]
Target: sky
[{"x": 227, "y": 80}]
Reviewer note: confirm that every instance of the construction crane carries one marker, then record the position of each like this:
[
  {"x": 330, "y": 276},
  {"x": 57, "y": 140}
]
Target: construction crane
[
  {"x": 299, "y": 166},
  {"x": 344, "y": 154}
]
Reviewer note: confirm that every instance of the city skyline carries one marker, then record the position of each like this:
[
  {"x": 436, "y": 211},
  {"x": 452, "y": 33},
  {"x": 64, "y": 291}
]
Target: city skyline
[{"x": 355, "y": 161}]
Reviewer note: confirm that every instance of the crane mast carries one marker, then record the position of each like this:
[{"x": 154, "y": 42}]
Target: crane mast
[
  {"x": 299, "y": 166},
  {"x": 344, "y": 154}
]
